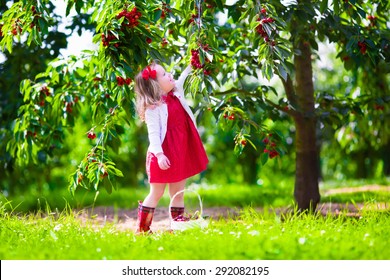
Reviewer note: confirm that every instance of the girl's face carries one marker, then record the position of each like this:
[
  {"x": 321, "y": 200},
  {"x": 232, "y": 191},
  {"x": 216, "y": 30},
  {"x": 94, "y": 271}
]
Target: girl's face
[{"x": 164, "y": 79}]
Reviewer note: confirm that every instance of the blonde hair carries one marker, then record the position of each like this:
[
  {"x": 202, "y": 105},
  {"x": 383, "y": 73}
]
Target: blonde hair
[{"x": 148, "y": 93}]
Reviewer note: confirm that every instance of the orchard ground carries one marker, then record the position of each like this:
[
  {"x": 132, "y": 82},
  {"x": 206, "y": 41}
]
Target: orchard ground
[
  {"x": 354, "y": 226},
  {"x": 126, "y": 219}
]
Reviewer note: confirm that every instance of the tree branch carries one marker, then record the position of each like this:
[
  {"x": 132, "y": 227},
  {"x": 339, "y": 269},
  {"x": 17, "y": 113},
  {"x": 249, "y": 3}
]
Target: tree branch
[
  {"x": 290, "y": 92},
  {"x": 289, "y": 112}
]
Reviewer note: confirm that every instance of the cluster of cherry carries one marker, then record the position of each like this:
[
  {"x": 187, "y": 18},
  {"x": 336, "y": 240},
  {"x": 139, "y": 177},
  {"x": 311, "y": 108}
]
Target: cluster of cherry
[{"x": 261, "y": 28}]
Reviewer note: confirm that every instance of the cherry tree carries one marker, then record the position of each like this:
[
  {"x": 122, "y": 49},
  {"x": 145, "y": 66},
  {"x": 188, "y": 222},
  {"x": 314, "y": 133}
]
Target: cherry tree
[{"x": 259, "y": 39}]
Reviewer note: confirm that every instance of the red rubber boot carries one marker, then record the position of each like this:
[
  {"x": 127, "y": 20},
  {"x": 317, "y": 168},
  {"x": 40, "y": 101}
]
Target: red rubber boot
[{"x": 145, "y": 217}]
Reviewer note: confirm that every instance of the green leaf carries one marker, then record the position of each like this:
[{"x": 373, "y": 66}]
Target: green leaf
[
  {"x": 264, "y": 158},
  {"x": 361, "y": 12},
  {"x": 25, "y": 88},
  {"x": 157, "y": 14},
  {"x": 324, "y": 6},
  {"x": 9, "y": 43},
  {"x": 282, "y": 72},
  {"x": 43, "y": 25},
  {"x": 219, "y": 4},
  {"x": 336, "y": 7},
  {"x": 267, "y": 71},
  {"x": 69, "y": 7}
]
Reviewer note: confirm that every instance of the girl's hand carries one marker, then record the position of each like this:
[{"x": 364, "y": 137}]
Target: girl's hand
[{"x": 163, "y": 161}]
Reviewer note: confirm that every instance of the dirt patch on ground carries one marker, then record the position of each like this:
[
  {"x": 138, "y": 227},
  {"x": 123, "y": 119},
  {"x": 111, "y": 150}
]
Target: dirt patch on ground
[
  {"x": 369, "y": 188},
  {"x": 126, "y": 219}
]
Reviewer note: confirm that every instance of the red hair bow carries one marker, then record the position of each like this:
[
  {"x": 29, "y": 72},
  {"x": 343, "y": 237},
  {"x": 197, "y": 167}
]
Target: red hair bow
[{"x": 149, "y": 73}]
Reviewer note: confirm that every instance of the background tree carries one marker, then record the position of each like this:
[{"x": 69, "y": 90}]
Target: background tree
[
  {"x": 22, "y": 63},
  {"x": 259, "y": 39}
]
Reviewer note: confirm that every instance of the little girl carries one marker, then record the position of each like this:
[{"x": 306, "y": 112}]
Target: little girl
[{"x": 175, "y": 150}]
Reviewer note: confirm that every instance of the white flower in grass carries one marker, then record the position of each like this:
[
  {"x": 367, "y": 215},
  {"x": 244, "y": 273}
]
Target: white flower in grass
[
  {"x": 57, "y": 227},
  {"x": 160, "y": 248},
  {"x": 322, "y": 232},
  {"x": 366, "y": 236},
  {"x": 254, "y": 232},
  {"x": 98, "y": 250},
  {"x": 249, "y": 226},
  {"x": 236, "y": 234},
  {"x": 302, "y": 240}
]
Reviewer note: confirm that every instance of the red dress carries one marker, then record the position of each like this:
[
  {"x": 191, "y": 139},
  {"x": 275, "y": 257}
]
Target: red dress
[{"x": 182, "y": 146}]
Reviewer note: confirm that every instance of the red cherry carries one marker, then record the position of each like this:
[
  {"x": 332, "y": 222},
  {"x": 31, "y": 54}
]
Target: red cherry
[
  {"x": 164, "y": 42},
  {"x": 148, "y": 40},
  {"x": 273, "y": 154},
  {"x": 91, "y": 135},
  {"x": 120, "y": 81},
  {"x": 243, "y": 142},
  {"x": 69, "y": 107},
  {"x": 80, "y": 178},
  {"x": 263, "y": 11},
  {"x": 379, "y": 107}
]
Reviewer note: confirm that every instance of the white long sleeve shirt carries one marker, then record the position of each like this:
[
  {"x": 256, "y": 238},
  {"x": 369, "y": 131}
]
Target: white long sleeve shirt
[{"x": 157, "y": 118}]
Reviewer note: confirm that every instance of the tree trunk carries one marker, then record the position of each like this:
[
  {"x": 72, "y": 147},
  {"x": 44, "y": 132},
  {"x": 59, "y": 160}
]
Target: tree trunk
[
  {"x": 306, "y": 190},
  {"x": 386, "y": 159}
]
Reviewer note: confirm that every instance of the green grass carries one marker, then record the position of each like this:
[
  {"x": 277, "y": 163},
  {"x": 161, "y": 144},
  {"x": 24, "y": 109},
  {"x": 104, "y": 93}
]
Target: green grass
[
  {"x": 251, "y": 236},
  {"x": 227, "y": 195},
  {"x": 51, "y": 230}
]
